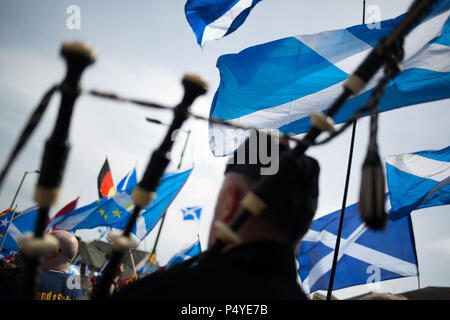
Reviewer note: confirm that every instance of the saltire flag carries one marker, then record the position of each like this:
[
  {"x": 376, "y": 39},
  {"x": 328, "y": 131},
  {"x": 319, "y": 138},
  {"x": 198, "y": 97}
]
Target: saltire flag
[
  {"x": 276, "y": 85},
  {"x": 364, "y": 256},
  {"x": 105, "y": 182},
  {"x": 191, "y": 213},
  {"x": 103, "y": 233},
  {"x": 5, "y": 219},
  {"x": 185, "y": 254},
  {"x": 214, "y": 19},
  {"x": 418, "y": 180},
  {"x": 149, "y": 266},
  {"x": 115, "y": 211},
  {"x": 22, "y": 223},
  {"x": 60, "y": 214},
  {"x": 127, "y": 182}
]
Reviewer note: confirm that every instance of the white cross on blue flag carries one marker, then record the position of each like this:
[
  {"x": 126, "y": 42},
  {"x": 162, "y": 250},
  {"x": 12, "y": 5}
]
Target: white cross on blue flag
[
  {"x": 185, "y": 254},
  {"x": 214, "y": 19},
  {"x": 418, "y": 180},
  {"x": 278, "y": 84},
  {"x": 127, "y": 182},
  {"x": 191, "y": 213},
  {"x": 21, "y": 224},
  {"x": 364, "y": 255}
]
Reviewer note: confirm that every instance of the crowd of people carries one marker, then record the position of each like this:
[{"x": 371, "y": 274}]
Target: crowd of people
[{"x": 260, "y": 264}]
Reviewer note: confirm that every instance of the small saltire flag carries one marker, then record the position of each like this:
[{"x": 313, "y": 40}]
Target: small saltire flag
[
  {"x": 60, "y": 214},
  {"x": 364, "y": 256},
  {"x": 23, "y": 223},
  {"x": 418, "y": 180},
  {"x": 5, "y": 219},
  {"x": 127, "y": 182},
  {"x": 214, "y": 19},
  {"x": 278, "y": 84},
  {"x": 115, "y": 211},
  {"x": 191, "y": 213},
  {"x": 105, "y": 182},
  {"x": 149, "y": 266},
  {"x": 185, "y": 254}
]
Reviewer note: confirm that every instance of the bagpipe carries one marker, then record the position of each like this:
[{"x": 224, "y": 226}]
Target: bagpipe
[{"x": 387, "y": 54}]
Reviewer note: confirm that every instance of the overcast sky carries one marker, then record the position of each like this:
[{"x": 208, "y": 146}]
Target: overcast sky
[{"x": 144, "y": 48}]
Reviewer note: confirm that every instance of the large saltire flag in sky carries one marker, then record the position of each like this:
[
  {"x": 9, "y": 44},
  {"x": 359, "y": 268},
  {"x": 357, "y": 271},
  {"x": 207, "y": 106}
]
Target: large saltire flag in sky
[
  {"x": 418, "y": 180},
  {"x": 365, "y": 256},
  {"x": 276, "y": 85},
  {"x": 115, "y": 211},
  {"x": 214, "y": 19}
]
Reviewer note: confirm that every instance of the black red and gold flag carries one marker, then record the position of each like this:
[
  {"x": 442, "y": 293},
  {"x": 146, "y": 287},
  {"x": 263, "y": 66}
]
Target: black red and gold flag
[{"x": 105, "y": 182}]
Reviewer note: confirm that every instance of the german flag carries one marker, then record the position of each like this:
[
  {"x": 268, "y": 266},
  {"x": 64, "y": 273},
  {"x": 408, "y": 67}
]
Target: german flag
[{"x": 105, "y": 182}]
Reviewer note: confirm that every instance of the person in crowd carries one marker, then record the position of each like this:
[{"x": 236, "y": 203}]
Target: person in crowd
[
  {"x": 261, "y": 264},
  {"x": 53, "y": 283}
]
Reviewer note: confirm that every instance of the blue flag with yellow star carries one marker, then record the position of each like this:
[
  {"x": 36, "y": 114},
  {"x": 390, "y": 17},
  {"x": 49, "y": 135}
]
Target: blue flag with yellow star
[{"x": 115, "y": 211}]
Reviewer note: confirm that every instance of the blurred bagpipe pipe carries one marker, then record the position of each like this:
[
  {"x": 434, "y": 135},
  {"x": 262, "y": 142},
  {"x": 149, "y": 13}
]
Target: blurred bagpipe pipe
[{"x": 387, "y": 54}]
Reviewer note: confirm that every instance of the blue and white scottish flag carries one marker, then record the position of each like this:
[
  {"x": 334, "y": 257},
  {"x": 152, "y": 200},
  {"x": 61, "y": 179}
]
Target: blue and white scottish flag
[
  {"x": 214, "y": 19},
  {"x": 418, "y": 180},
  {"x": 23, "y": 223},
  {"x": 278, "y": 84},
  {"x": 5, "y": 219},
  {"x": 365, "y": 256},
  {"x": 127, "y": 182},
  {"x": 115, "y": 211},
  {"x": 185, "y": 254},
  {"x": 191, "y": 213}
]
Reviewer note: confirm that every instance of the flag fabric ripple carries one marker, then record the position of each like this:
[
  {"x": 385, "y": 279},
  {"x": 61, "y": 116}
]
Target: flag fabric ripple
[
  {"x": 214, "y": 19},
  {"x": 418, "y": 180},
  {"x": 365, "y": 256},
  {"x": 277, "y": 85},
  {"x": 115, "y": 211}
]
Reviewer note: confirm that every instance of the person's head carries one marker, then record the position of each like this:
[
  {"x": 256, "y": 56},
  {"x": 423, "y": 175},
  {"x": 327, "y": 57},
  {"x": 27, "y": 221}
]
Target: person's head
[
  {"x": 290, "y": 215},
  {"x": 64, "y": 254},
  {"x": 383, "y": 296}
]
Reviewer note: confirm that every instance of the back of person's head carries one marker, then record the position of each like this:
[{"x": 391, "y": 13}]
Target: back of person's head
[
  {"x": 293, "y": 201},
  {"x": 67, "y": 244},
  {"x": 383, "y": 296}
]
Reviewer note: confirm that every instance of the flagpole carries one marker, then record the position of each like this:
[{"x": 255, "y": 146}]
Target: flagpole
[
  {"x": 20, "y": 185},
  {"x": 344, "y": 200},
  {"x": 132, "y": 264},
  {"x": 188, "y": 132}
]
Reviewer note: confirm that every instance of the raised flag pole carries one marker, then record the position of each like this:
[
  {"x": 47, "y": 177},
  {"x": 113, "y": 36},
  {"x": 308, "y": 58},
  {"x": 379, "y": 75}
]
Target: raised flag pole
[
  {"x": 20, "y": 185},
  {"x": 344, "y": 199},
  {"x": 188, "y": 133},
  {"x": 144, "y": 192}
]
